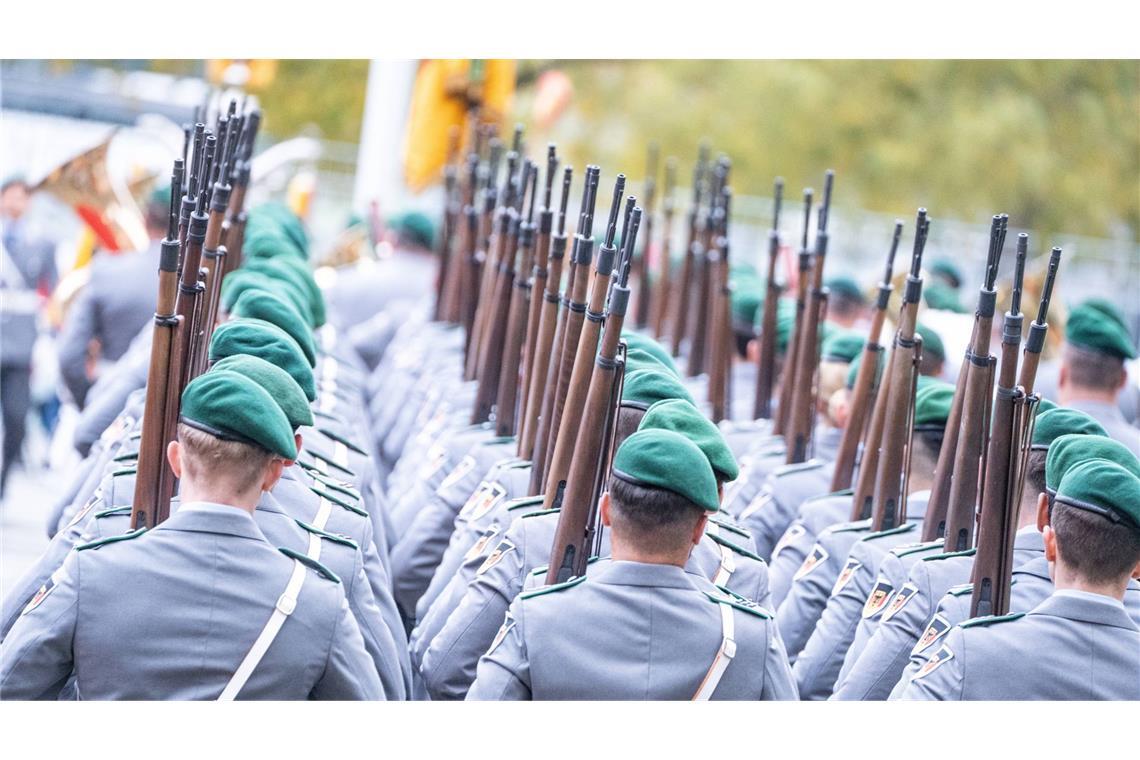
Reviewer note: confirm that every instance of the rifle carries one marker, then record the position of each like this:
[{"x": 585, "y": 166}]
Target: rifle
[
  {"x": 481, "y": 267},
  {"x": 447, "y": 224},
  {"x": 537, "y": 283},
  {"x": 701, "y": 264},
  {"x": 641, "y": 313},
  {"x": 974, "y": 423},
  {"x": 506, "y": 234},
  {"x": 863, "y": 393},
  {"x": 801, "y": 415},
  {"x": 498, "y": 307},
  {"x": 152, "y": 446},
  {"x": 791, "y": 357},
  {"x": 720, "y": 326},
  {"x": 660, "y": 305},
  {"x": 547, "y": 322},
  {"x": 577, "y": 522},
  {"x": 895, "y": 446},
  {"x": 1008, "y": 454},
  {"x": 766, "y": 359},
  {"x": 508, "y": 392},
  {"x": 582, "y": 359},
  {"x": 236, "y": 216},
  {"x": 566, "y": 332},
  {"x": 685, "y": 281},
  {"x": 1039, "y": 327}
]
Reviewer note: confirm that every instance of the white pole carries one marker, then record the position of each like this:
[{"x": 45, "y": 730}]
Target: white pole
[{"x": 379, "y": 163}]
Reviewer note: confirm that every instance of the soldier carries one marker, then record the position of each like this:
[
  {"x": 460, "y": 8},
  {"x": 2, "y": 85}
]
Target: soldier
[
  {"x": 846, "y": 303},
  {"x": 285, "y": 630},
  {"x": 686, "y": 638},
  {"x": 1077, "y": 644},
  {"x": 116, "y": 302},
  {"x": 1092, "y": 367}
]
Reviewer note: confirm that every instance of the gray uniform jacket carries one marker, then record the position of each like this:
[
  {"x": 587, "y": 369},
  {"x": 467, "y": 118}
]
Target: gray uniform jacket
[
  {"x": 1110, "y": 417},
  {"x": 769, "y": 515},
  {"x": 449, "y": 662},
  {"x": 816, "y": 515},
  {"x": 1074, "y": 645},
  {"x": 913, "y": 627},
  {"x": 749, "y": 485},
  {"x": 632, "y": 631},
  {"x": 107, "y": 398},
  {"x": 172, "y": 613},
  {"x": 113, "y": 306}
]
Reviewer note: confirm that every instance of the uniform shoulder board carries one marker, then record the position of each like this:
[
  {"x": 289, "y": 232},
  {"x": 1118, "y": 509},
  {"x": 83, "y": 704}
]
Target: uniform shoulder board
[
  {"x": 497, "y": 440},
  {"x": 739, "y": 602},
  {"x": 328, "y": 415},
  {"x": 135, "y": 436},
  {"x": 948, "y": 555},
  {"x": 853, "y": 527},
  {"x": 340, "y": 502},
  {"x": 310, "y": 563},
  {"x": 126, "y": 456},
  {"x": 336, "y": 538},
  {"x": 124, "y": 471},
  {"x": 524, "y": 501},
  {"x": 111, "y": 540},
  {"x": 552, "y": 588},
  {"x": 990, "y": 620},
  {"x": 334, "y": 484},
  {"x": 904, "y": 528},
  {"x": 738, "y": 549},
  {"x": 908, "y": 549},
  {"x": 788, "y": 469},
  {"x": 341, "y": 439},
  {"x": 960, "y": 589},
  {"x": 731, "y": 527},
  {"x": 330, "y": 462},
  {"x": 126, "y": 510},
  {"x": 514, "y": 464},
  {"x": 822, "y": 496},
  {"x": 541, "y": 512},
  {"x": 542, "y": 569}
]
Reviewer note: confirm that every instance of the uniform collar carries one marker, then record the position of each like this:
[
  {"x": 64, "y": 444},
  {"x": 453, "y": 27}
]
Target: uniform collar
[
  {"x": 1086, "y": 607},
  {"x": 1038, "y": 566},
  {"x": 626, "y": 573},
  {"x": 1099, "y": 410},
  {"x": 208, "y": 517},
  {"x": 1029, "y": 539},
  {"x": 269, "y": 503},
  {"x": 916, "y": 503}
]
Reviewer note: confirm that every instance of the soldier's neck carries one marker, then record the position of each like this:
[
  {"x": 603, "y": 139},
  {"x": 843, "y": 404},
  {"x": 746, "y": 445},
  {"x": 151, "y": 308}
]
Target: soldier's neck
[
  {"x": 1064, "y": 578},
  {"x": 622, "y": 551},
  {"x": 1070, "y": 393},
  {"x": 189, "y": 491}
]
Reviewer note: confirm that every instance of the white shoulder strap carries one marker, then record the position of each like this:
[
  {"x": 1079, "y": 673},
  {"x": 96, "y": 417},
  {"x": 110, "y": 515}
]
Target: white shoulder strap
[{"x": 723, "y": 657}]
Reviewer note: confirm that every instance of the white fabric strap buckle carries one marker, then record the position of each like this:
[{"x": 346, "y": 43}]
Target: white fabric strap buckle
[
  {"x": 286, "y": 604},
  {"x": 723, "y": 657}
]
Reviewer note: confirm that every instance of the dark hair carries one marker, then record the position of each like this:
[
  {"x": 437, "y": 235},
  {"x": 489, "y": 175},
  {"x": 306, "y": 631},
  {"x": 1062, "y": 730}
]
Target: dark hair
[
  {"x": 741, "y": 338},
  {"x": 651, "y": 518},
  {"x": 930, "y": 365},
  {"x": 926, "y": 444},
  {"x": 843, "y": 305},
  {"x": 1035, "y": 472},
  {"x": 1092, "y": 369},
  {"x": 628, "y": 419},
  {"x": 1097, "y": 549}
]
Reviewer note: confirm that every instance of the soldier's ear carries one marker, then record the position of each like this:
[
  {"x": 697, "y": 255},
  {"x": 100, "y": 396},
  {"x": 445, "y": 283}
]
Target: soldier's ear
[
  {"x": 1050, "y": 537},
  {"x": 174, "y": 456},
  {"x": 699, "y": 528},
  {"x": 297, "y": 440},
  {"x": 604, "y": 508},
  {"x": 272, "y": 473},
  {"x": 1136, "y": 571},
  {"x": 1042, "y": 511}
]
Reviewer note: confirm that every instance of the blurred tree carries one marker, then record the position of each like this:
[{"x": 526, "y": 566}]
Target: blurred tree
[{"x": 1056, "y": 144}]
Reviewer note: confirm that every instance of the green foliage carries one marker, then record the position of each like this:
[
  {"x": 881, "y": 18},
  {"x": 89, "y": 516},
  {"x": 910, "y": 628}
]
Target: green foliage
[
  {"x": 325, "y": 94},
  {"x": 1056, "y": 144}
]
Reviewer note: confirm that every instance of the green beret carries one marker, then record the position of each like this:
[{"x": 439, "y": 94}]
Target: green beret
[
  {"x": 636, "y": 358},
  {"x": 947, "y": 270},
  {"x": 1099, "y": 327},
  {"x": 932, "y": 404},
  {"x": 245, "y": 279},
  {"x": 160, "y": 196},
  {"x": 265, "y": 243},
  {"x": 668, "y": 460},
  {"x": 267, "y": 341},
  {"x": 230, "y": 406},
  {"x": 846, "y": 287},
  {"x": 280, "y": 384},
  {"x": 1045, "y": 405},
  {"x": 650, "y": 346},
  {"x": 939, "y": 295},
  {"x": 1103, "y": 487},
  {"x": 416, "y": 227},
  {"x": 297, "y": 273},
  {"x": 1053, "y": 423},
  {"x": 931, "y": 343},
  {"x": 747, "y": 298},
  {"x": 841, "y": 346},
  {"x": 261, "y": 304},
  {"x": 1067, "y": 451},
  {"x": 280, "y": 216},
  {"x": 645, "y": 387},
  {"x": 853, "y": 370},
  {"x": 785, "y": 322},
  {"x": 682, "y": 417}
]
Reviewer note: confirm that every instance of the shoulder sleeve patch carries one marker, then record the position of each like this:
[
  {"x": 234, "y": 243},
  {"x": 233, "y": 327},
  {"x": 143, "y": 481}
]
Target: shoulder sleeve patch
[
  {"x": 552, "y": 588},
  {"x": 899, "y": 600},
  {"x": 940, "y": 658},
  {"x": 981, "y": 622},
  {"x": 813, "y": 560},
  {"x": 336, "y": 538},
  {"x": 738, "y": 549},
  {"x": 878, "y": 597},
  {"x": 310, "y": 563},
  {"x": 739, "y": 602},
  {"x": 504, "y": 547},
  {"x": 111, "y": 540},
  {"x": 938, "y": 627},
  {"x": 948, "y": 555},
  {"x": 845, "y": 575}
]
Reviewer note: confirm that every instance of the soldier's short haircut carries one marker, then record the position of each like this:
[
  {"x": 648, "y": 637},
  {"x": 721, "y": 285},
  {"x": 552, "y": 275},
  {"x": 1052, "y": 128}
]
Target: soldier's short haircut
[
  {"x": 1035, "y": 473},
  {"x": 1094, "y": 547},
  {"x": 628, "y": 420},
  {"x": 930, "y": 364},
  {"x": 1092, "y": 369},
  {"x": 842, "y": 305},
  {"x": 652, "y": 518},
  {"x": 926, "y": 444},
  {"x": 232, "y": 462}
]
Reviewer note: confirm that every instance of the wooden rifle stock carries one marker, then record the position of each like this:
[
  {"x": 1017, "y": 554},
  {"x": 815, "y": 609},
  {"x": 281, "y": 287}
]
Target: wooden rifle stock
[
  {"x": 506, "y": 404},
  {"x": 664, "y": 288},
  {"x": 791, "y": 358},
  {"x": 766, "y": 359},
  {"x": 537, "y": 284},
  {"x": 720, "y": 333},
  {"x": 680, "y": 323},
  {"x": 699, "y": 319},
  {"x": 934, "y": 523},
  {"x": 643, "y": 302},
  {"x": 495, "y": 327}
]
